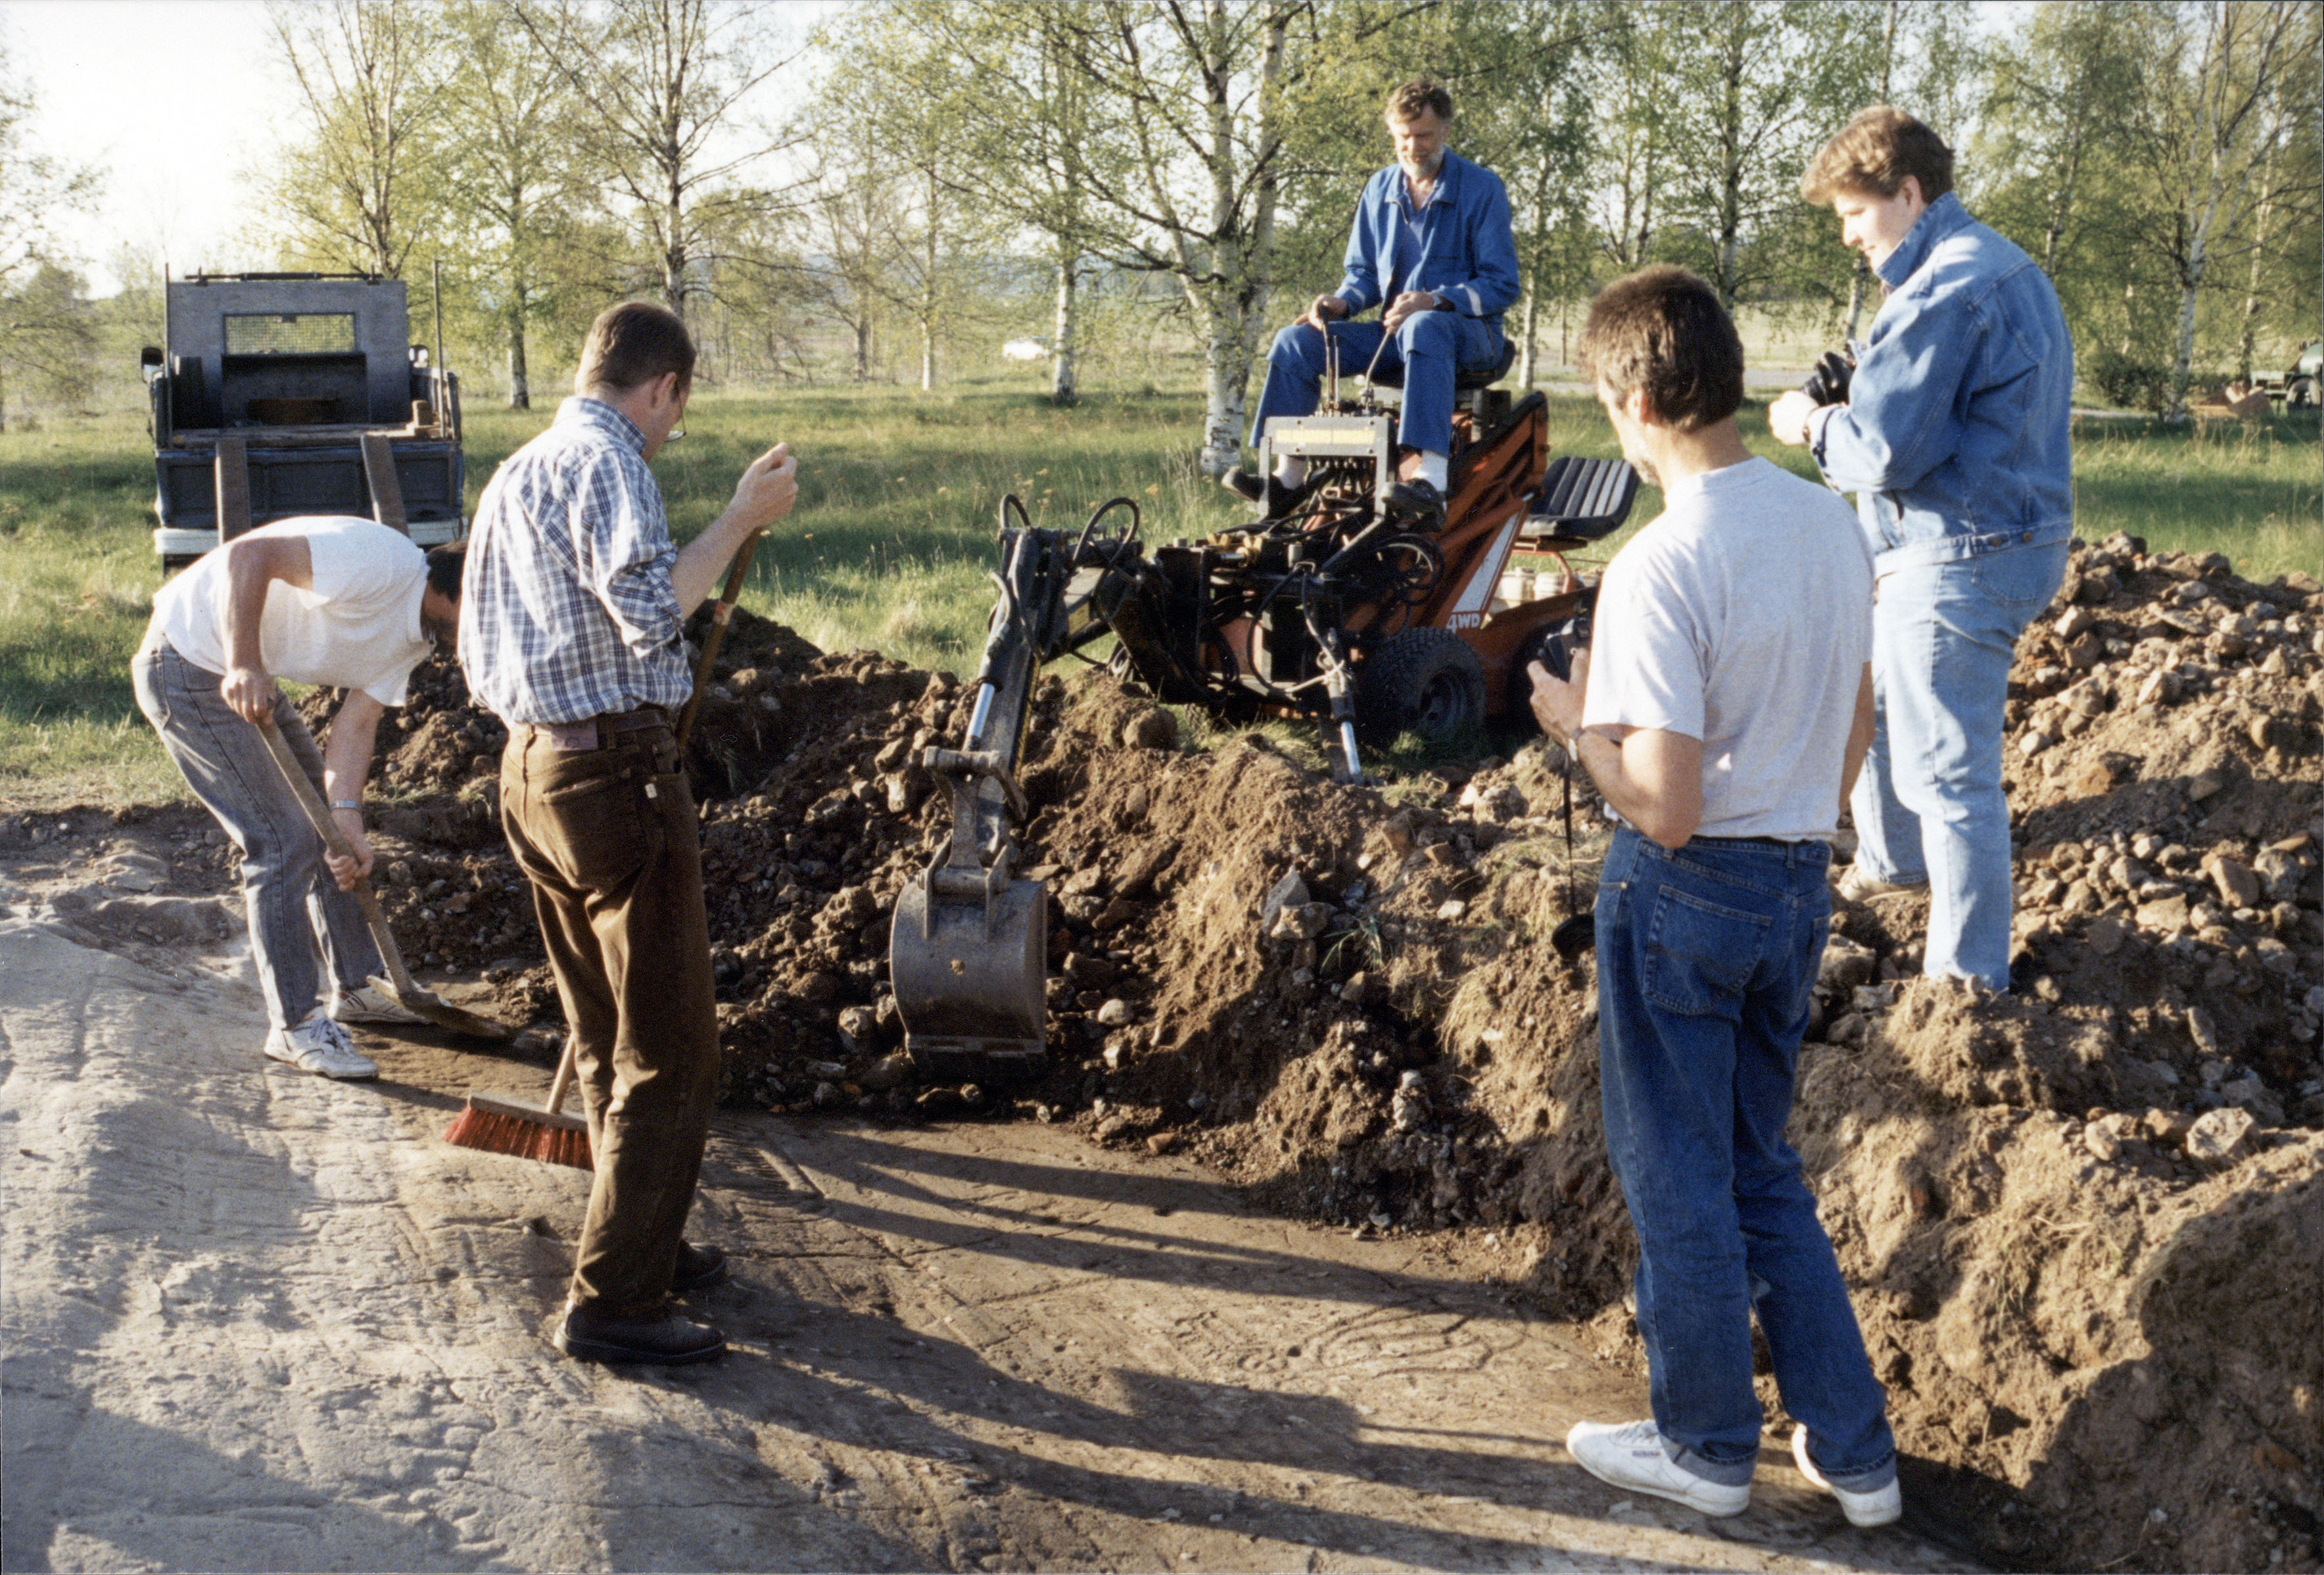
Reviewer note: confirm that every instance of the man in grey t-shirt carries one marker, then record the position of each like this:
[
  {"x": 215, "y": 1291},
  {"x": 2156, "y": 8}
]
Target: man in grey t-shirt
[{"x": 1727, "y": 710}]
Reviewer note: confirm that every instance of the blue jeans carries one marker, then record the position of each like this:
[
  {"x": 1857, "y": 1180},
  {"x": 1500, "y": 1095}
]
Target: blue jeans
[
  {"x": 1705, "y": 961},
  {"x": 1427, "y": 345},
  {"x": 1930, "y": 804},
  {"x": 299, "y": 920}
]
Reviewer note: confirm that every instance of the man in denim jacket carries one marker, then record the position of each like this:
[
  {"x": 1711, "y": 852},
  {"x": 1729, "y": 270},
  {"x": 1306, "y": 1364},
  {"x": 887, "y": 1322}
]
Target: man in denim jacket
[
  {"x": 1432, "y": 246},
  {"x": 1955, "y": 434}
]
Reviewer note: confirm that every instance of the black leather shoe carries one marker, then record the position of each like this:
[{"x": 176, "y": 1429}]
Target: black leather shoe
[
  {"x": 667, "y": 1341},
  {"x": 1418, "y": 501},
  {"x": 1275, "y": 496},
  {"x": 697, "y": 1266}
]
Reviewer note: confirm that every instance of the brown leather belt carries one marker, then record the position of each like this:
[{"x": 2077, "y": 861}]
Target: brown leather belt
[{"x": 597, "y": 732}]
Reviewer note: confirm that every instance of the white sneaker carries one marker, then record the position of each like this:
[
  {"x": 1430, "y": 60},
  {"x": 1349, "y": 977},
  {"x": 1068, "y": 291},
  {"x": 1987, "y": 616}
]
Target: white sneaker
[
  {"x": 369, "y": 1005},
  {"x": 321, "y": 1046},
  {"x": 1855, "y": 884},
  {"x": 1879, "y": 1506},
  {"x": 1631, "y": 1456}
]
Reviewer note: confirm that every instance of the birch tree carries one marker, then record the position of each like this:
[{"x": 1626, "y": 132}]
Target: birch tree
[
  {"x": 661, "y": 85},
  {"x": 1629, "y": 80},
  {"x": 353, "y": 185},
  {"x": 510, "y": 171},
  {"x": 896, "y": 72},
  {"x": 1029, "y": 143},
  {"x": 1198, "y": 87},
  {"x": 1750, "y": 99},
  {"x": 2221, "y": 98},
  {"x": 43, "y": 321}
]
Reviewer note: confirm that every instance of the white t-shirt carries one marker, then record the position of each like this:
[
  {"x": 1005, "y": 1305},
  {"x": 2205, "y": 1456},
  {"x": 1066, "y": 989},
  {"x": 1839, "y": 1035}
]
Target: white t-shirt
[
  {"x": 356, "y": 626},
  {"x": 1742, "y": 616}
]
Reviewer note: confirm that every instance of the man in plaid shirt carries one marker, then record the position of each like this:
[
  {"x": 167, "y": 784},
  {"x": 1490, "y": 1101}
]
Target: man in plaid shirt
[{"x": 570, "y": 634}]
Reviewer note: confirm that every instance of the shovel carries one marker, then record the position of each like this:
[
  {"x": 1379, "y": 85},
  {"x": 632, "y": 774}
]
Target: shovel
[
  {"x": 736, "y": 574},
  {"x": 399, "y": 986}
]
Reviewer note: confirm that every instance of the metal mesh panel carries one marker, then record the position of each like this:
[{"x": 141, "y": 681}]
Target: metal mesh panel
[{"x": 312, "y": 333}]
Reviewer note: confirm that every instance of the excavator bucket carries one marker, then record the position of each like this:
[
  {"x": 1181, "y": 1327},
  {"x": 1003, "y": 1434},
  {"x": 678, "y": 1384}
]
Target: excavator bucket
[{"x": 968, "y": 972}]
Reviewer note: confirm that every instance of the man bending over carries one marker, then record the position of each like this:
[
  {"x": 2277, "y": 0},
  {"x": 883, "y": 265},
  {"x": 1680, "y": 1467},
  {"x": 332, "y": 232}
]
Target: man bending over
[{"x": 341, "y": 601}]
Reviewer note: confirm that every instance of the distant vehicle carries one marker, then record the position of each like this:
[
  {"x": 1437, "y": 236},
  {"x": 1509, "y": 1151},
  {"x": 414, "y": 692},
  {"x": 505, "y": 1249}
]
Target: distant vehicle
[
  {"x": 297, "y": 394},
  {"x": 1024, "y": 350},
  {"x": 2298, "y": 388}
]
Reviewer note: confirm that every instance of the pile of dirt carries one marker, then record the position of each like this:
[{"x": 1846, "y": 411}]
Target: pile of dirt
[{"x": 2084, "y": 1221}]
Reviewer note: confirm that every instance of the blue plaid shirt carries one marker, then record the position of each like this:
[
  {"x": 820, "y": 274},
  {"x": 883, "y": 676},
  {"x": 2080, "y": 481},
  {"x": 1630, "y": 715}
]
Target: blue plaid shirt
[{"x": 566, "y": 610}]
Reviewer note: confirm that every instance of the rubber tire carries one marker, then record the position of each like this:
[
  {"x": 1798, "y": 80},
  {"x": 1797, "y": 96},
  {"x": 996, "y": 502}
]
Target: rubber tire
[
  {"x": 2301, "y": 394},
  {"x": 1425, "y": 682}
]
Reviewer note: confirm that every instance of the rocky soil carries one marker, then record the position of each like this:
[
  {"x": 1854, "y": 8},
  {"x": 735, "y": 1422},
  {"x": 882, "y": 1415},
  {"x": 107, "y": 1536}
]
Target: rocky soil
[{"x": 2084, "y": 1222}]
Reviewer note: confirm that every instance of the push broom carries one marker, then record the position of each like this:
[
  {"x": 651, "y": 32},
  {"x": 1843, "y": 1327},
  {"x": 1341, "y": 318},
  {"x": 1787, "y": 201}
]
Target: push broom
[{"x": 506, "y": 1124}]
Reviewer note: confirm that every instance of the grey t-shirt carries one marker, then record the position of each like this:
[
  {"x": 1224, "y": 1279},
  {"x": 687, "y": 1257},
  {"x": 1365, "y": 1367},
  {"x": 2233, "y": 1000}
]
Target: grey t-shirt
[{"x": 1742, "y": 616}]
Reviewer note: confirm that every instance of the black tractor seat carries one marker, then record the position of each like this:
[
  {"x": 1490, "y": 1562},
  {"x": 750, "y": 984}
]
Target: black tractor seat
[{"x": 1582, "y": 500}]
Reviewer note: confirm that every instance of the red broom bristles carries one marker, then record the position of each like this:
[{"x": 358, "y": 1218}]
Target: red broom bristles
[{"x": 497, "y": 1132}]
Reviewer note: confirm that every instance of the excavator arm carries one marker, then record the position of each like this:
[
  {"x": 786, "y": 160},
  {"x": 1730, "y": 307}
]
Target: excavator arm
[{"x": 968, "y": 951}]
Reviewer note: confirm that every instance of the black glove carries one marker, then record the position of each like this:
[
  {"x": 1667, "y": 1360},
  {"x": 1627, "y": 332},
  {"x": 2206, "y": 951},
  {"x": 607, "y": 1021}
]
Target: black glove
[{"x": 1828, "y": 384}]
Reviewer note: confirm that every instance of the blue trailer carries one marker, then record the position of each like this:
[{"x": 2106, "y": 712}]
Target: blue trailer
[{"x": 297, "y": 394}]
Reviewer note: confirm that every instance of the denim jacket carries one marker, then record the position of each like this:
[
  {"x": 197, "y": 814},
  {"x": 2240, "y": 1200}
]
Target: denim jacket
[
  {"x": 1468, "y": 254},
  {"x": 1957, "y": 432}
]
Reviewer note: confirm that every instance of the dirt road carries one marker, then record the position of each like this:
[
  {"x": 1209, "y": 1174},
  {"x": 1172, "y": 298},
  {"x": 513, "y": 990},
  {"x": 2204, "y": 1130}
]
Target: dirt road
[{"x": 257, "y": 1320}]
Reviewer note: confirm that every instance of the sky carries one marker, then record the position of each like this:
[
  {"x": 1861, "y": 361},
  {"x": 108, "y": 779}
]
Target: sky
[
  {"x": 172, "y": 98},
  {"x": 178, "y": 102}
]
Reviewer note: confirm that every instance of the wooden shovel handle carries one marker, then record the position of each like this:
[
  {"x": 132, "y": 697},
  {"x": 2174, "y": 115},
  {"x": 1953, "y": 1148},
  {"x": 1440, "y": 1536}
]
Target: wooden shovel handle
[
  {"x": 311, "y": 803},
  {"x": 719, "y": 616}
]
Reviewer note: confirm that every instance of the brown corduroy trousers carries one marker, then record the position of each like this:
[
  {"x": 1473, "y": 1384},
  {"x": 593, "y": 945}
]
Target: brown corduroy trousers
[{"x": 608, "y": 837}]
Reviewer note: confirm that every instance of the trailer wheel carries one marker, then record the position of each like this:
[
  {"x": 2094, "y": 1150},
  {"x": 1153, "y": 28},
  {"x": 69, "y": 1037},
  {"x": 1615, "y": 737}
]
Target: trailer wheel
[
  {"x": 2301, "y": 394},
  {"x": 1425, "y": 682}
]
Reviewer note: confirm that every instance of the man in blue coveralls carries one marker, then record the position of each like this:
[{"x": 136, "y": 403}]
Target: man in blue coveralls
[{"x": 1432, "y": 246}]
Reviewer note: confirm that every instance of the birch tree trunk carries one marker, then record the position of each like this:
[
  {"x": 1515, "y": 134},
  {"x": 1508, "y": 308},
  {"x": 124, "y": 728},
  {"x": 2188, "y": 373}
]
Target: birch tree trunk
[
  {"x": 1233, "y": 302},
  {"x": 2260, "y": 221},
  {"x": 519, "y": 396},
  {"x": 1730, "y": 154},
  {"x": 1061, "y": 352},
  {"x": 929, "y": 300},
  {"x": 1529, "y": 338}
]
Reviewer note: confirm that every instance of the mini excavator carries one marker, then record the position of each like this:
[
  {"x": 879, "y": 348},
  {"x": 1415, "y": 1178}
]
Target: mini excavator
[{"x": 1372, "y": 623}]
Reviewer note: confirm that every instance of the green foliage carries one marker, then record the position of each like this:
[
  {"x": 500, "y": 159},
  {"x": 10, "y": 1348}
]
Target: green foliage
[
  {"x": 46, "y": 332},
  {"x": 2126, "y": 381},
  {"x": 364, "y": 185}
]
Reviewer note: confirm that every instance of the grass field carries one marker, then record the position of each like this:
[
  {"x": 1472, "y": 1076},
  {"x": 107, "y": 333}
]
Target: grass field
[{"x": 892, "y": 540}]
